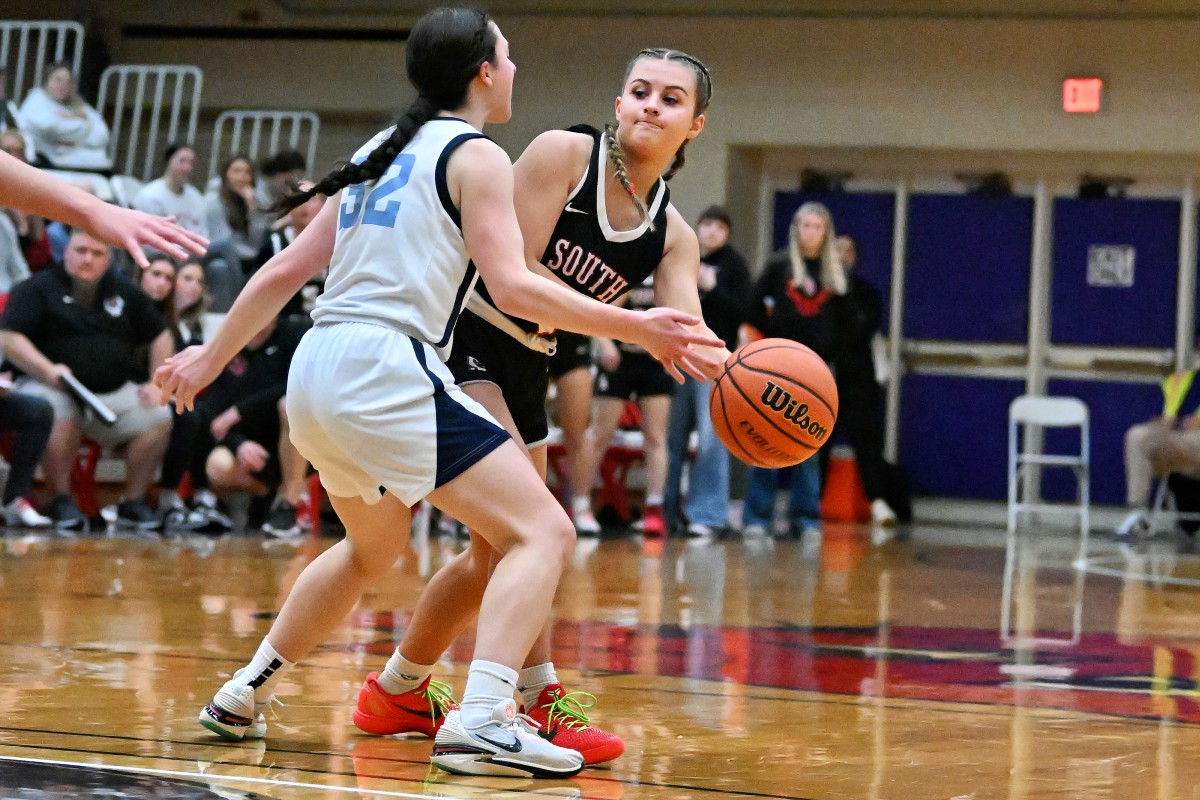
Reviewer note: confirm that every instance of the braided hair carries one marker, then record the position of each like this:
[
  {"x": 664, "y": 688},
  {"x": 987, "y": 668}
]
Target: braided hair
[
  {"x": 703, "y": 97},
  {"x": 445, "y": 50}
]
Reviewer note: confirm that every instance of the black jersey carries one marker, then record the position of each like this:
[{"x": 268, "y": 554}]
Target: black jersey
[{"x": 586, "y": 253}]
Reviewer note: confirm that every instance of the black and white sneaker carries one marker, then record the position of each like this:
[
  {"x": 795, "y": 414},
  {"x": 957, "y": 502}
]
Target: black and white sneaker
[
  {"x": 507, "y": 745},
  {"x": 281, "y": 521},
  {"x": 1134, "y": 528},
  {"x": 65, "y": 514},
  {"x": 135, "y": 514}
]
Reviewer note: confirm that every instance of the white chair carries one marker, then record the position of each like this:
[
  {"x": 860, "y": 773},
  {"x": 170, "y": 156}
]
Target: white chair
[{"x": 1033, "y": 415}]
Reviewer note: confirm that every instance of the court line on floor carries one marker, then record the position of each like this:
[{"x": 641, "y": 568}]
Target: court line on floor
[{"x": 196, "y": 777}]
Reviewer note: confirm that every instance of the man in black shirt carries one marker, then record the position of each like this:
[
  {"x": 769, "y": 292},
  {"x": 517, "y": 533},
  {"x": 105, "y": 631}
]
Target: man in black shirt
[{"x": 84, "y": 319}]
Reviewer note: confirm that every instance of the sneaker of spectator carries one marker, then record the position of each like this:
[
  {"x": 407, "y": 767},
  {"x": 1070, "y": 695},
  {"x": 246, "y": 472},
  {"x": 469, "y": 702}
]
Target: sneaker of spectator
[
  {"x": 20, "y": 513},
  {"x": 206, "y": 516},
  {"x": 65, "y": 515},
  {"x": 137, "y": 515},
  {"x": 281, "y": 521}
]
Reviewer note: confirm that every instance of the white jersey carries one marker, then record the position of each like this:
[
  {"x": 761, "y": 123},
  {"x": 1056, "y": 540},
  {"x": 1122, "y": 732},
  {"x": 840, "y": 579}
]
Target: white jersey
[{"x": 399, "y": 259}]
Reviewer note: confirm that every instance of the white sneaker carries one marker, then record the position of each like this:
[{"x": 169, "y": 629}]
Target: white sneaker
[
  {"x": 21, "y": 513},
  {"x": 232, "y": 714},
  {"x": 584, "y": 519},
  {"x": 754, "y": 531},
  {"x": 881, "y": 512},
  {"x": 505, "y": 745}
]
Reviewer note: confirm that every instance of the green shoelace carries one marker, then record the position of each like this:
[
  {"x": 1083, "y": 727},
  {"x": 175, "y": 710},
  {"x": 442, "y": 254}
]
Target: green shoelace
[
  {"x": 439, "y": 697},
  {"x": 571, "y": 708}
]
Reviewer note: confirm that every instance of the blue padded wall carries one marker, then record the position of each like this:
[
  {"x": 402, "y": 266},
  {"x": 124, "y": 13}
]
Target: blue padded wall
[
  {"x": 954, "y": 434},
  {"x": 967, "y": 277},
  {"x": 1141, "y": 315}
]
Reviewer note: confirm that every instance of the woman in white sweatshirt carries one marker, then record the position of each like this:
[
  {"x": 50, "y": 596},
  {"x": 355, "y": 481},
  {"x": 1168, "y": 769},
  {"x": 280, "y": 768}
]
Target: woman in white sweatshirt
[{"x": 67, "y": 132}]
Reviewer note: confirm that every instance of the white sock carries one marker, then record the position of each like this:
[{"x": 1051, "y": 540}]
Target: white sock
[
  {"x": 581, "y": 505},
  {"x": 265, "y": 671},
  {"x": 488, "y": 685},
  {"x": 401, "y": 675},
  {"x": 532, "y": 680},
  {"x": 654, "y": 500},
  {"x": 169, "y": 498}
]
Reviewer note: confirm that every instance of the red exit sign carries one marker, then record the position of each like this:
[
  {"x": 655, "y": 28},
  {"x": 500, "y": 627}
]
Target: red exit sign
[{"x": 1082, "y": 95}]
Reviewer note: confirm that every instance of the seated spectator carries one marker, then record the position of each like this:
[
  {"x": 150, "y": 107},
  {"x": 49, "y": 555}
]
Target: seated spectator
[
  {"x": 67, "y": 133},
  {"x": 173, "y": 196},
  {"x": 8, "y": 109},
  {"x": 1169, "y": 443},
  {"x": 280, "y": 173},
  {"x": 180, "y": 296},
  {"x": 31, "y": 229},
  {"x": 29, "y": 419},
  {"x": 232, "y": 208},
  {"x": 13, "y": 268},
  {"x": 84, "y": 319},
  {"x": 241, "y": 423},
  {"x": 283, "y": 233}
]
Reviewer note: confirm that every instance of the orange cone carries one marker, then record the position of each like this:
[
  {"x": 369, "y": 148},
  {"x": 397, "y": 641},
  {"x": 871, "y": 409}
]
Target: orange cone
[{"x": 844, "y": 499}]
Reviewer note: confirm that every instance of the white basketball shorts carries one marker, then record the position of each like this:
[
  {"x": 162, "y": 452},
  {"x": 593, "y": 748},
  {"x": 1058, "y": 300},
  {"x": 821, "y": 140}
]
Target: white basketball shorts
[{"x": 372, "y": 408}]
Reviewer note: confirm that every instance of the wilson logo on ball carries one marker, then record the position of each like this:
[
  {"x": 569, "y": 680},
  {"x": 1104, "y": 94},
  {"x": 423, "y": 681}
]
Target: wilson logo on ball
[{"x": 779, "y": 399}]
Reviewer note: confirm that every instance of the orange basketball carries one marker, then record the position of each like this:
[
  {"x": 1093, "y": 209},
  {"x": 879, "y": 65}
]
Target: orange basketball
[{"x": 775, "y": 403}]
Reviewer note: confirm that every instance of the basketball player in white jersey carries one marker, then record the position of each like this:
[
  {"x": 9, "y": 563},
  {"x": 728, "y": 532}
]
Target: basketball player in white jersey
[
  {"x": 595, "y": 213},
  {"x": 371, "y": 404}
]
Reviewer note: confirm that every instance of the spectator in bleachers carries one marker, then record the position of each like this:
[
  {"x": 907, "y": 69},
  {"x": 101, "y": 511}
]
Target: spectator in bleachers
[
  {"x": 157, "y": 282},
  {"x": 280, "y": 172},
  {"x": 724, "y": 284},
  {"x": 8, "y": 108},
  {"x": 860, "y": 413},
  {"x": 85, "y": 320},
  {"x": 30, "y": 420},
  {"x": 13, "y": 268},
  {"x": 67, "y": 132},
  {"x": 173, "y": 195},
  {"x": 799, "y": 296},
  {"x": 241, "y": 423},
  {"x": 31, "y": 229},
  {"x": 280, "y": 236},
  {"x": 233, "y": 211}
]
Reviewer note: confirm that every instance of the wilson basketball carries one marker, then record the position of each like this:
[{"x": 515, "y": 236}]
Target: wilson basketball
[{"x": 774, "y": 404}]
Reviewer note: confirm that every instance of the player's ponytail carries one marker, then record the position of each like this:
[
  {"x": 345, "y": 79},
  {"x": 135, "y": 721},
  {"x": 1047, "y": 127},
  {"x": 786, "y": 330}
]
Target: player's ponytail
[
  {"x": 445, "y": 50},
  {"x": 617, "y": 156}
]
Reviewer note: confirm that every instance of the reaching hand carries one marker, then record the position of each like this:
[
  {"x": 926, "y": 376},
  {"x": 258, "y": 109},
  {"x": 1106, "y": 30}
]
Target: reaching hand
[
  {"x": 134, "y": 230},
  {"x": 664, "y": 336},
  {"x": 184, "y": 375}
]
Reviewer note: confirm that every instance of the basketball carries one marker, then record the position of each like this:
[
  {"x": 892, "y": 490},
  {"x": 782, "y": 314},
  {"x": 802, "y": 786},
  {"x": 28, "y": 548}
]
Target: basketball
[{"x": 774, "y": 404}]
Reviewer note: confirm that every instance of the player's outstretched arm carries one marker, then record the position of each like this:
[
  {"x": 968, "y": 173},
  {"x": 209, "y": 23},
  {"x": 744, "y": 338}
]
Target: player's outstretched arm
[{"x": 32, "y": 191}]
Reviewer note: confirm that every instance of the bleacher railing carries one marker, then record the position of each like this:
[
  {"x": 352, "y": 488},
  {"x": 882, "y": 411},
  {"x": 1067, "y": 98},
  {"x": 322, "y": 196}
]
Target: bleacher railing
[
  {"x": 26, "y": 47},
  {"x": 148, "y": 106},
  {"x": 264, "y": 131}
]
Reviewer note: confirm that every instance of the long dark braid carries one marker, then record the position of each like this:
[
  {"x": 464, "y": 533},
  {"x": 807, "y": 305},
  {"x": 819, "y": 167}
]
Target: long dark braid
[{"x": 445, "y": 50}]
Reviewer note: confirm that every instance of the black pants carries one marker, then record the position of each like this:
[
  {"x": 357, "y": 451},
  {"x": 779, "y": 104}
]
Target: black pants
[
  {"x": 181, "y": 449},
  {"x": 30, "y": 419},
  {"x": 860, "y": 416}
]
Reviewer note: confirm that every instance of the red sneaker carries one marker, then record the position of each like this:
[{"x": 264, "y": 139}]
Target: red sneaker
[
  {"x": 419, "y": 710},
  {"x": 652, "y": 522},
  {"x": 562, "y": 720}
]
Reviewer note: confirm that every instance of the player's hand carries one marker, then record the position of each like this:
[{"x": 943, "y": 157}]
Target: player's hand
[
  {"x": 148, "y": 395},
  {"x": 252, "y": 456},
  {"x": 678, "y": 348},
  {"x": 184, "y": 375},
  {"x": 134, "y": 230}
]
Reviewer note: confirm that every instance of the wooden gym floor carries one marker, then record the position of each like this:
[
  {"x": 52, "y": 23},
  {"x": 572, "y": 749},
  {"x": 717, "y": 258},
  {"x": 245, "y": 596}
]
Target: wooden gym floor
[{"x": 839, "y": 668}]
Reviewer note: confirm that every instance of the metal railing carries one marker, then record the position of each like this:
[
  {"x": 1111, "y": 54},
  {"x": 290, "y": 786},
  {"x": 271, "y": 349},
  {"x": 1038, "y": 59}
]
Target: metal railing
[
  {"x": 26, "y": 47},
  {"x": 148, "y": 106},
  {"x": 252, "y": 131}
]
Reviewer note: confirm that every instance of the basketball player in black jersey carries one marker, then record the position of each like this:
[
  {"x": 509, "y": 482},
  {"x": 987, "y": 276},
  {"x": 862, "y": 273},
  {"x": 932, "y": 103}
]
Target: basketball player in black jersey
[{"x": 595, "y": 213}]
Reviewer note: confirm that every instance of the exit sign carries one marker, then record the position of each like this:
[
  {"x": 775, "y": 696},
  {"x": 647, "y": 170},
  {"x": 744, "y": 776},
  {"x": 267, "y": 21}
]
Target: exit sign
[{"x": 1082, "y": 95}]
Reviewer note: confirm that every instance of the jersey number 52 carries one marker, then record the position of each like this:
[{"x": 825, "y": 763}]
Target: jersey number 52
[{"x": 380, "y": 209}]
